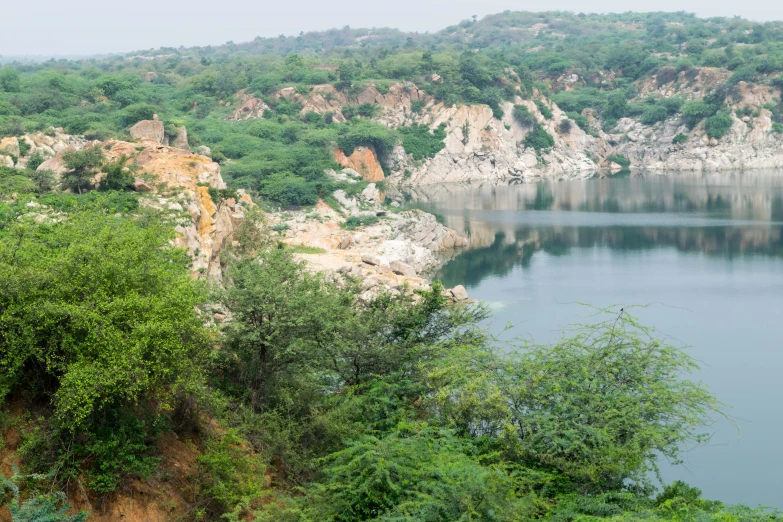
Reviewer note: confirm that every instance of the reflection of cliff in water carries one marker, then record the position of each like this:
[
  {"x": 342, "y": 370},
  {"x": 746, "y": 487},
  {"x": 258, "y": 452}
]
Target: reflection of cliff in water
[
  {"x": 723, "y": 214},
  {"x": 517, "y": 248},
  {"x": 754, "y": 196}
]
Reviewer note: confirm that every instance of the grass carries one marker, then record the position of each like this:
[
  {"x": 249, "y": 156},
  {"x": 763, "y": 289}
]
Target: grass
[
  {"x": 305, "y": 249},
  {"x": 354, "y": 222}
]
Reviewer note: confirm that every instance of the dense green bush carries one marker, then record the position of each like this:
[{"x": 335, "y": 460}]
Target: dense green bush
[
  {"x": 523, "y": 116},
  {"x": 545, "y": 111},
  {"x": 679, "y": 139},
  {"x": 654, "y": 114},
  {"x": 288, "y": 189},
  {"x": 422, "y": 143},
  {"x": 539, "y": 139},
  {"x": 718, "y": 125},
  {"x": 620, "y": 160},
  {"x": 354, "y": 222},
  {"x": 364, "y": 132},
  {"x": 695, "y": 111}
]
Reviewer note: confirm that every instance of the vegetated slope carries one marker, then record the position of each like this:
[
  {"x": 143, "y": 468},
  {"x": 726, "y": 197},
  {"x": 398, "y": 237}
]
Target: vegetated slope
[
  {"x": 682, "y": 79},
  {"x": 132, "y": 391}
]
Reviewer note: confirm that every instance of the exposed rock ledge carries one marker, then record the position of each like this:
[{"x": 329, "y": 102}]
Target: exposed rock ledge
[{"x": 393, "y": 255}]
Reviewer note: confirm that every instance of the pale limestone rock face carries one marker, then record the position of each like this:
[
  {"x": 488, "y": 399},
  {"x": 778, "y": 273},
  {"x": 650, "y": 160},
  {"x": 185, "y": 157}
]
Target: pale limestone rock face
[
  {"x": 9, "y": 146},
  {"x": 149, "y": 129},
  {"x": 181, "y": 139},
  {"x": 371, "y": 193},
  {"x": 6, "y": 161}
]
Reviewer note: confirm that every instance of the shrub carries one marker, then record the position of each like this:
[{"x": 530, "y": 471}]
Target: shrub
[
  {"x": 539, "y": 139},
  {"x": 653, "y": 115},
  {"x": 523, "y": 116},
  {"x": 680, "y": 139},
  {"x": 620, "y": 160},
  {"x": 695, "y": 111},
  {"x": 354, "y": 222},
  {"x": 82, "y": 165},
  {"x": 718, "y": 125},
  {"x": 565, "y": 126},
  {"x": 288, "y": 190},
  {"x": 118, "y": 175},
  {"x": 545, "y": 111},
  {"x": 777, "y": 128},
  {"x": 420, "y": 142},
  {"x": 365, "y": 132},
  {"x": 38, "y": 507},
  {"x": 666, "y": 75},
  {"x": 365, "y": 110}
]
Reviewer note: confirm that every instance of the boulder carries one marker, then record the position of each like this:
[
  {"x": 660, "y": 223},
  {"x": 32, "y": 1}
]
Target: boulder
[
  {"x": 400, "y": 268},
  {"x": 371, "y": 193},
  {"x": 149, "y": 129},
  {"x": 459, "y": 293},
  {"x": 181, "y": 139},
  {"x": 374, "y": 260},
  {"x": 10, "y": 146},
  {"x": 141, "y": 186}
]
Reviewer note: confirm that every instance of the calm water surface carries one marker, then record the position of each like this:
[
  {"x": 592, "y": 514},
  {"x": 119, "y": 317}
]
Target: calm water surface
[{"x": 705, "y": 252}]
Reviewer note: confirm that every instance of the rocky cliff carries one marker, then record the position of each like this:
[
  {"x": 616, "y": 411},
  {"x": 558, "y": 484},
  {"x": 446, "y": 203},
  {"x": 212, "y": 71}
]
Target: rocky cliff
[
  {"x": 179, "y": 183},
  {"x": 481, "y": 147}
]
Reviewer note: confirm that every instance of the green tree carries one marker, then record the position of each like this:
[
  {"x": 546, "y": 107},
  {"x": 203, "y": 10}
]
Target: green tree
[
  {"x": 598, "y": 407},
  {"x": 118, "y": 175},
  {"x": 718, "y": 125},
  {"x": 102, "y": 310},
  {"x": 616, "y": 106},
  {"x": 10, "y": 80},
  {"x": 81, "y": 165}
]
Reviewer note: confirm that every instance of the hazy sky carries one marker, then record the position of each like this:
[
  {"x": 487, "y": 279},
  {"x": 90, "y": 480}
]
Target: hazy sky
[{"x": 49, "y": 27}]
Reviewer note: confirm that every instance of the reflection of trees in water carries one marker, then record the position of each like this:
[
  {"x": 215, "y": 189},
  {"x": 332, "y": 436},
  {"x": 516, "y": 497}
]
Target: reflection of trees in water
[
  {"x": 737, "y": 195},
  {"x": 505, "y": 252}
]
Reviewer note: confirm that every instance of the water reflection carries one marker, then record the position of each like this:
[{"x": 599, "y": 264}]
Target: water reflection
[{"x": 726, "y": 215}]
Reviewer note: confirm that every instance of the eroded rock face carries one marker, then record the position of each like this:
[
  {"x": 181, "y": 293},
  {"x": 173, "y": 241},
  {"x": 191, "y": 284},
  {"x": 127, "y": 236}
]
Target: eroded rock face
[
  {"x": 363, "y": 160},
  {"x": 9, "y": 146},
  {"x": 150, "y": 130},
  {"x": 182, "y": 180},
  {"x": 180, "y": 141}
]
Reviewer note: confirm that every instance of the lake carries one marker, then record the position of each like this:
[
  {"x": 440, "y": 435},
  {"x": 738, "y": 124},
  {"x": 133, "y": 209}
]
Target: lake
[{"x": 705, "y": 252}]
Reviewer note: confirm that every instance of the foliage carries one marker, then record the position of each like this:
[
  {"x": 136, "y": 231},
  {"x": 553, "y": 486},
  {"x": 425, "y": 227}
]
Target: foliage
[
  {"x": 620, "y": 160},
  {"x": 98, "y": 316},
  {"x": 81, "y": 166},
  {"x": 718, "y": 125},
  {"x": 364, "y": 132},
  {"x": 365, "y": 110},
  {"x": 593, "y": 407},
  {"x": 39, "y": 507},
  {"x": 118, "y": 175},
  {"x": 679, "y": 139},
  {"x": 354, "y": 222},
  {"x": 414, "y": 473},
  {"x": 695, "y": 111},
  {"x": 545, "y": 111},
  {"x": 422, "y": 143},
  {"x": 539, "y": 139},
  {"x": 288, "y": 189},
  {"x": 523, "y": 116}
]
